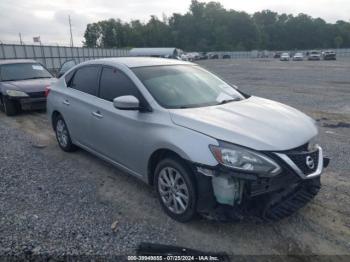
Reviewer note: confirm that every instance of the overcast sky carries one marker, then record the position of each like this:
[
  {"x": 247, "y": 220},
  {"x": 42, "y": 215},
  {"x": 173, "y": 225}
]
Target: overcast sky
[{"x": 49, "y": 19}]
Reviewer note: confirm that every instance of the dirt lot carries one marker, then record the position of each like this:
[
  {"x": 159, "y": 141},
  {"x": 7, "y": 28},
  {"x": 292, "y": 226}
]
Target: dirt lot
[{"x": 56, "y": 203}]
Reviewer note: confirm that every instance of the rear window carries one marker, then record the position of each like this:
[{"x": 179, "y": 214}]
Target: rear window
[{"x": 86, "y": 80}]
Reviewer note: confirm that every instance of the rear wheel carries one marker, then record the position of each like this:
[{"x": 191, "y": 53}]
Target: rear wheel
[
  {"x": 175, "y": 189},
  {"x": 62, "y": 135},
  {"x": 10, "y": 107}
]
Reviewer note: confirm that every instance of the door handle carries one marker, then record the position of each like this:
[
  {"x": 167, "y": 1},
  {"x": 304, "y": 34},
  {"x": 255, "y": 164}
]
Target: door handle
[
  {"x": 97, "y": 114},
  {"x": 66, "y": 102}
]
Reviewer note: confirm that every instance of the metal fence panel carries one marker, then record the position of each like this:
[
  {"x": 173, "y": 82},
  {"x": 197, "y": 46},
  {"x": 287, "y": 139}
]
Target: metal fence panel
[
  {"x": 2, "y": 53},
  {"x": 19, "y": 51},
  {"x": 9, "y": 51},
  {"x": 37, "y": 52}
]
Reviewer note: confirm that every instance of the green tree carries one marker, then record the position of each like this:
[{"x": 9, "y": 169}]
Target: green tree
[
  {"x": 338, "y": 41},
  {"x": 209, "y": 26}
]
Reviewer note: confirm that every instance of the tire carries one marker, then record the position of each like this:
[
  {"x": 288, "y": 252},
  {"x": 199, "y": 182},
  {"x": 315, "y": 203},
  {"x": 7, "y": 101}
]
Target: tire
[
  {"x": 172, "y": 197},
  {"x": 10, "y": 107},
  {"x": 62, "y": 135}
]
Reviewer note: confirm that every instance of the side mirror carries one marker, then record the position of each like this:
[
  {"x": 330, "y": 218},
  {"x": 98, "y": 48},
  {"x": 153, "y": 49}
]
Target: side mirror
[{"x": 126, "y": 103}]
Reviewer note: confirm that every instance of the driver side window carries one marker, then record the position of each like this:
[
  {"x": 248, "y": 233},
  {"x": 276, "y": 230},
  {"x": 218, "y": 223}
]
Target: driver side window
[{"x": 115, "y": 83}]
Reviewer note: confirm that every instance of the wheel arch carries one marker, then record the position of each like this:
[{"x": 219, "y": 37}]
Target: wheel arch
[
  {"x": 54, "y": 116},
  {"x": 157, "y": 156}
]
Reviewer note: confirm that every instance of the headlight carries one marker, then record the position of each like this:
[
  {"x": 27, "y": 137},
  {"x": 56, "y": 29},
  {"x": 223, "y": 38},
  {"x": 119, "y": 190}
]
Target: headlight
[
  {"x": 16, "y": 93},
  {"x": 245, "y": 160}
]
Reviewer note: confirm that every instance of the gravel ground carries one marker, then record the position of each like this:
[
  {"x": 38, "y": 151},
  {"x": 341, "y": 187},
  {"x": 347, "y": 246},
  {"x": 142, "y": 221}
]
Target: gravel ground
[{"x": 55, "y": 203}]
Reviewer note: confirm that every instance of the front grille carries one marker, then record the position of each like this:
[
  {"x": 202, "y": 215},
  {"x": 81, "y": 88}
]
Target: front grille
[
  {"x": 300, "y": 159},
  {"x": 37, "y": 94}
]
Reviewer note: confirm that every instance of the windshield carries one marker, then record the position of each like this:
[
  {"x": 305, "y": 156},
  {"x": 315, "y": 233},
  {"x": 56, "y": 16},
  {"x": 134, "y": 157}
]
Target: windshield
[
  {"x": 16, "y": 72},
  {"x": 185, "y": 86}
]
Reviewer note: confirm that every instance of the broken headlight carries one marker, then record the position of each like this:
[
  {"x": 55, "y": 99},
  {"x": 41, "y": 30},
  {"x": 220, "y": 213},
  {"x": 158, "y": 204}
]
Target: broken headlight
[{"x": 243, "y": 159}]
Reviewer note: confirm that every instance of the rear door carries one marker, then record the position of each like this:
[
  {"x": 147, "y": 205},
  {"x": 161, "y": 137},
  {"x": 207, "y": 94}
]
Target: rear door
[{"x": 78, "y": 102}]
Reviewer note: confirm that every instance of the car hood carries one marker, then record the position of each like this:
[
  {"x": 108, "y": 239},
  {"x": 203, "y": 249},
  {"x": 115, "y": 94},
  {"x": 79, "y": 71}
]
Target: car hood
[
  {"x": 30, "y": 85},
  {"x": 257, "y": 123}
]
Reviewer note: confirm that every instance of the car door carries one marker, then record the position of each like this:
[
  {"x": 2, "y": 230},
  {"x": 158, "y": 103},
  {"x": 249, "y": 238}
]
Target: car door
[
  {"x": 78, "y": 102},
  {"x": 117, "y": 134}
]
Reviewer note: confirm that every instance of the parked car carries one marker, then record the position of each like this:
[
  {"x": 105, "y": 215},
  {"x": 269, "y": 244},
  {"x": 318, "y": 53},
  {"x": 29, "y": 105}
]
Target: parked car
[
  {"x": 193, "y": 56},
  {"x": 22, "y": 85},
  {"x": 213, "y": 56},
  {"x": 277, "y": 55},
  {"x": 204, "y": 145},
  {"x": 226, "y": 56},
  {"x": 203, "y": 56},
  {"x": 329, "y": 55},
  {"x": 314, "y": 55},
  {"x": 298, "y": 57},
  {"x": 184, "y": 57},
  {"x": 285, "y": 57}
]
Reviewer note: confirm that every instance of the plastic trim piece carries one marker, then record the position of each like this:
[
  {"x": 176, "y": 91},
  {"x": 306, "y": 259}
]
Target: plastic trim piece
[{"x": 317, "y": 172}]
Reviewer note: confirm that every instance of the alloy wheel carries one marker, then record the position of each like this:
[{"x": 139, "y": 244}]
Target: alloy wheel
[
  {"x": 62, "y": 133},
  {"x": 173, "y": 190}
]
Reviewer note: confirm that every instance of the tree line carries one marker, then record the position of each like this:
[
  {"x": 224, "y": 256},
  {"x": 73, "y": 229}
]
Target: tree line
[{"x": 211, "y": 27}]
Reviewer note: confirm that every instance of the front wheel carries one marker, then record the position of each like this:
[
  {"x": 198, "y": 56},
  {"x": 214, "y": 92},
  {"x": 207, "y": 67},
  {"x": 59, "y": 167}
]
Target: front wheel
[
  {"x": 10, "y": 107},
  {"x": 175, "y": 189},
  {"x": 62, "y": 135}
]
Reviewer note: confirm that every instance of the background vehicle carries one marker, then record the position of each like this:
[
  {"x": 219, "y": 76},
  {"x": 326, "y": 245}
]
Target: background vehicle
[
  {"x": 277, "y": 55},
  {"x": 329, "y": 55},
  {"x": 203, "y": 56},
  {"x": 285, "y": 57},
  {"x": 195, "y": 134},
  {"x": 226, "y": 56},
  {"x": 165, "y": 52},
  {"x": 193, "y": 56},
  {"x": 22, "y": 85},
  {"x": 213, "y": 56},
  {"x": 298, "y": 57},
  {"x": 314, "y": 55}
]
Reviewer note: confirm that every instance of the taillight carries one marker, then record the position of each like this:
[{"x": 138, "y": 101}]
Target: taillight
[{"x": 47, "y": 91}]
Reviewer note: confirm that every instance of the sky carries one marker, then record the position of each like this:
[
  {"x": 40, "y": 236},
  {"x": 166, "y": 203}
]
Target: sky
[{"x": 49, "y": 19}]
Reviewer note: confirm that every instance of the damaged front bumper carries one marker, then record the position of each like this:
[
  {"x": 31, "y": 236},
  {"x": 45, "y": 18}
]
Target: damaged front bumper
[{"x": 226, "y": 195}]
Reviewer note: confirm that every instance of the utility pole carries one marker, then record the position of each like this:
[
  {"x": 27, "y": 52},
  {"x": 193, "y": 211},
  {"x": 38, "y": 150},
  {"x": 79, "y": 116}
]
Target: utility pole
[
  {"x": 20, "y": 39},
  {"x": 71, "y": 34}
]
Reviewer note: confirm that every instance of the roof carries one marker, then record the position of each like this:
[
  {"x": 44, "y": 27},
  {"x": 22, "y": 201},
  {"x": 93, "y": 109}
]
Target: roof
[
  {"x": 139, "y": 61},
  {"x": 152, "y": 51},
  {"x": 16, "y": 61}
]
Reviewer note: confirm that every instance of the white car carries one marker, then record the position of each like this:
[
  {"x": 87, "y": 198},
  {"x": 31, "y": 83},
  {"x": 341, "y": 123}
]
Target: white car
[
  {"x": 314, "y": 56},
  {"x": 285, "y": 57},
  {"x": 298, "y": 57}
]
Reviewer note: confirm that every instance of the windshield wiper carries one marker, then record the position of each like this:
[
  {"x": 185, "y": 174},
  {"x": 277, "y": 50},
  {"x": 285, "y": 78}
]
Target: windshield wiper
[
  {"x": 37, "y": 77},
  {"x": 9, "y": 80},
  {"x": 225, "y": 101}
]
